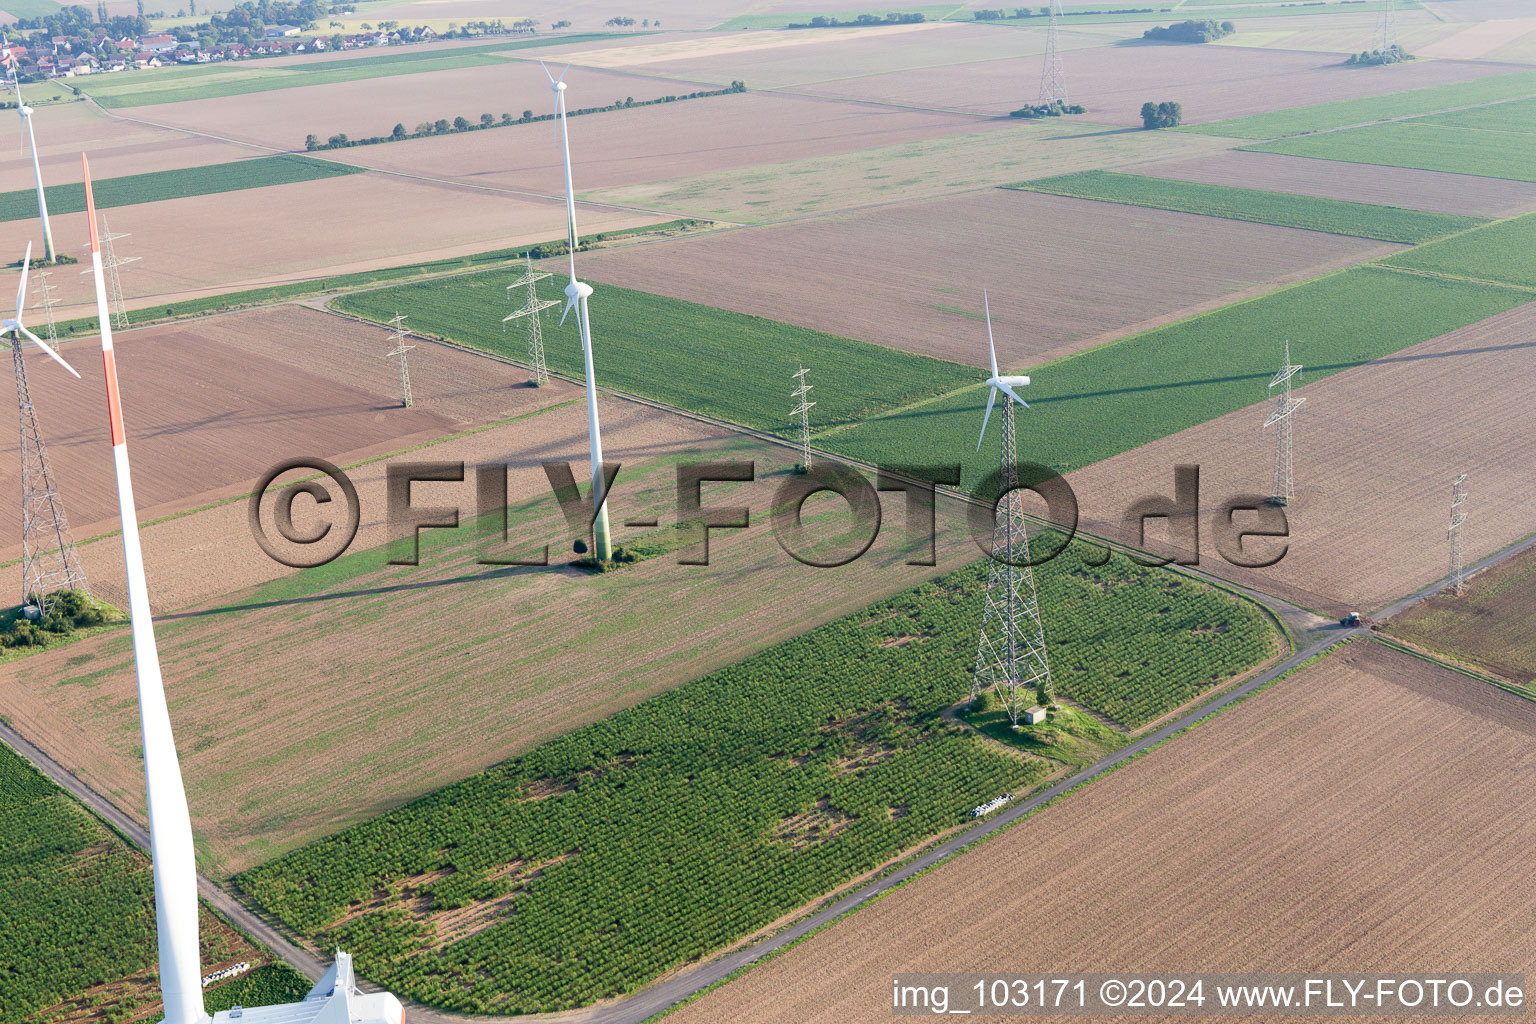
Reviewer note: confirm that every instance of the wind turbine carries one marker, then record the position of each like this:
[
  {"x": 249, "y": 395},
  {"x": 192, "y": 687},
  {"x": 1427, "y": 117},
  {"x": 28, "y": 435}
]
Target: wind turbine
[
  {"x": 1010, "y": 652},
  {"x": 37, "y": 171},
  {"x": 576, "y": 293},
  {"x": 335, "y": 996},
  {"x": 13, "y": 326}
]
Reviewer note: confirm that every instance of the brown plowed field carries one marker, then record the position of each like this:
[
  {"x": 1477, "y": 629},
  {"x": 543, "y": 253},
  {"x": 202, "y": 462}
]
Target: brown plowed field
[
  {"x": 1063, "y": 278},
  {"x": 626, "y": 147},
  {"x": 115, "y": 146},
  {"x": 1360, "y": 817},
  {"x": 1435, "y": 191},
  {"x": 371, "y": 106},
  {"x": 1377, "y": 448},
  {"x": 304, "y": 707},
  {"x": 1212, "y": 82},
  {"x": 211, "y": 405},
  {"x": 208, "y": 245}
]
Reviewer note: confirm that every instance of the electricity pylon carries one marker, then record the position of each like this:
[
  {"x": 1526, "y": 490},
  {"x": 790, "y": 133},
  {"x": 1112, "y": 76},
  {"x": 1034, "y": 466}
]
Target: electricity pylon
[
  {"x": 1053, "y": 83},
  {"x": 1285, "y": 408},
  {"x": 398, "y": 352},
  {"x": 531, "y": 308},
  {"x": 803, "y": 410},
  {"x": 1458, "y": 523}
]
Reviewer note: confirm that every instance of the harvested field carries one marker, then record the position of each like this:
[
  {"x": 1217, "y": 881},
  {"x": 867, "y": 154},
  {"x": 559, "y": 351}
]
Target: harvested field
[
  {"x": 344, "y": 231},
  {"x": 1488, "y": 626},
  {"x": 633, "y": 146},
  {"x": 263, "y": 386},
  {"x": 1008, "y": 151},
  {"x": 1436, "y": 191},
  {"x": 372, "y": 106},
  {"x": 1085, "y": 286},
  {"x": 1479, "y": 40},
  {"x": 1373, "y": 782},
  {"x": 1212, "y": 82},
  {"x": 1377, "y": 448},
  {"x": 434, "y": 707}
]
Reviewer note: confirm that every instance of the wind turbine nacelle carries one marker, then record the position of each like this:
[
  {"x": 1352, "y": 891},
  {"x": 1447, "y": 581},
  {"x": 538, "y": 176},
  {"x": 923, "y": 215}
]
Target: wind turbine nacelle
[
  {"x": 1010, "y": 382},
  {"x": 577, "y": 290},
  {"x": 335, "y": 999}
]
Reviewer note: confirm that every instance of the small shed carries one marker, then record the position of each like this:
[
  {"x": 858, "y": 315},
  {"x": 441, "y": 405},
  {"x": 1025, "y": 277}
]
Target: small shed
[{"x": 1035, "y": 715}]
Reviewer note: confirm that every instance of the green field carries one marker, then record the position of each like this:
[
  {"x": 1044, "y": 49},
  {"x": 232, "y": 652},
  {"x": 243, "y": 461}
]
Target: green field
[
  {"x": 76, "y": 902},
  {"x": 1420, "y": 144},
  {"x": 1343, "y": 113},
  {"x": 606, "y": 857},
  {"x": 1099, "y": 403},
  {"x": 132, "y": 189},
  {"x": 1515, "y": 116},
  {"x": 1363, "y": 220},
  {"x": 707, "y": 360},
  {"x": 175, "y": 84},
  {"x": 1503, "y": 252}
]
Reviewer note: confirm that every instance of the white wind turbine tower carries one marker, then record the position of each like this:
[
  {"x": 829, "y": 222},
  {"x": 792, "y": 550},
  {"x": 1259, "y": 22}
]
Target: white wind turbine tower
[
  {"x": 576, "y": 293},
  {"x": 37, "y": 171},
  {"x": 1010, "y": 655},
  {"x": 335, "y": 999}
]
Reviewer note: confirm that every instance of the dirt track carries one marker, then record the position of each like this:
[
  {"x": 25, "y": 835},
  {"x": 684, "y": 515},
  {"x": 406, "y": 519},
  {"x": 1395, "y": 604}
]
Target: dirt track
[{"x": 1236, "y": 849}]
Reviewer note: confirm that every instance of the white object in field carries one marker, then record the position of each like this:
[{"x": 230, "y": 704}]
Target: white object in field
[
  {"x": 37, "y": 171},
  {"x": 576, "y": 294},
  {"x": 335, "y": 999},
  {"x": 982, "y": 810},
  {"x": 229, "y": 972},
  {"x": 1034, "y": 715}
]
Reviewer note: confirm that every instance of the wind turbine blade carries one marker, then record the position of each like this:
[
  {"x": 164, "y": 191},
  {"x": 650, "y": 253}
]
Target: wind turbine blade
[
  {"x": 570, "y": 304},
  {"x": 991, "y": 348},
  {"x": 1012, "y": 394},
  {"x": 991, "y": 397},
  {"x": 42, "y": 345},
  {"x": 21, "y": 292}
]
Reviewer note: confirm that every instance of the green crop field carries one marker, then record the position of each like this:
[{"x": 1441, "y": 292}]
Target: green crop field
[
  {"x": 131, "y": 189},
  {"x": 1515, "y": 116},
  {"x": 1504, "y": 252},
  {"x": 175, "y": 84},
  {"x": 707, "y": 360},
  {"x": 1420, "y": 144},
  {"x": 76, "y": 902},
  {"x": 1363, "y": 220},
  {"x": 1343, "y": 113},
  {"x": 611, "y": 855},
  {"x": 1108, "y": 400}
]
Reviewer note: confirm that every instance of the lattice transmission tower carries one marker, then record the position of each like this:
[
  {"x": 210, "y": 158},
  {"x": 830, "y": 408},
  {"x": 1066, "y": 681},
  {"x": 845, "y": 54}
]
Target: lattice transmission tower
[
  {"x": 1458, "y": 524},
  {"x": 398, "y": 352},
  {"x": 1285, "y": 408},
  {"x": 45, "y": 299},
  {"x": 1011, "y": 656},
  {"x": 803, "y": 410},
  {"x": 1053, "y": 83},
  {"x": 531, "y": 308},
  {"x": 1386, "y": 26},
  {"x": 112, "y": 263},
  {"x": 49, "y": 562}
]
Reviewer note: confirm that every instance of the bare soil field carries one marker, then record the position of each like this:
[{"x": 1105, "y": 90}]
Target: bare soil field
[
  {"x": 1357, "y": 818},
  {"x": 282, "y": 118},
  {"x": 1071, "y": 280},
  {"x": 1342, "y": 33},
  {"x": 769, "y": 60},
  {"x": 1377, "y": 448},
  {"x": 369, "y": 661},
  {"x": 208, "y": 245},
  {"x": 116, "y": 147},
  {"x": 1003, "y": 151},
  {"x": 1481, "y": 39},
  {"x": 671, "y": 140},
  {"x": 1436, "y": 191},
  {"x": 212, "y": 404},
  {"x": 1212, "y": 82}
]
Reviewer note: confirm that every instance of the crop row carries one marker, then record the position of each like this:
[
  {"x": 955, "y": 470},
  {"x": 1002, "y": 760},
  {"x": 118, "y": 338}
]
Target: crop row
[
  {"x": 608, "y": 856},
  {"x": 1312, "y": 213},
  {"x": 708, "y": 360},
  {"x": 131, "y": 189}
]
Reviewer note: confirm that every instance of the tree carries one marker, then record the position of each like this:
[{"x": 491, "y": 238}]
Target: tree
[
  {"x": 398, "y": 132},
  {"x": 192, "y": 7},
  {"x": 311, "y": 142},
  {"x": 506, "y": 118},
  {"x": 141, "y": 8},
  {"x": 336, "y": 41},
  {"x": 486, "y": 120},
  {"x": 424, "y": 128},
  {"x": 527, "y": 115},
  {"x": 1161, "y": 115},
  {"x": 460, "y": 124},
  {"x": 441, "y": 124}
]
